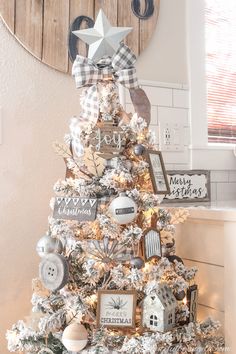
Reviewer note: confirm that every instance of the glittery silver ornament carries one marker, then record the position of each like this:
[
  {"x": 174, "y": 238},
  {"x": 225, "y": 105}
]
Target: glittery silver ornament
[
  {"x": 137, "y": 262},
  {"x": 139, "y": 149},
  {"x": 48, "y": 244}
]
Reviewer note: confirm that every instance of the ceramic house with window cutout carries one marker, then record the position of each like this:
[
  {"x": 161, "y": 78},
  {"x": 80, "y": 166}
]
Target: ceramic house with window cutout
[{"x": 159, "y": 310}]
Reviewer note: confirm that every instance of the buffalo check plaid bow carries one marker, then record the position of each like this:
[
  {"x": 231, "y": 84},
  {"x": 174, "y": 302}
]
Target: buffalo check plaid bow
[{"x": 88, "y": 74}]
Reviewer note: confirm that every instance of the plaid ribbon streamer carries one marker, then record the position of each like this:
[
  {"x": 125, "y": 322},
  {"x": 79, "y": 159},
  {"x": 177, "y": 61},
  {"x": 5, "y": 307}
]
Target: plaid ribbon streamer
[{"x": 88, "y": 74}]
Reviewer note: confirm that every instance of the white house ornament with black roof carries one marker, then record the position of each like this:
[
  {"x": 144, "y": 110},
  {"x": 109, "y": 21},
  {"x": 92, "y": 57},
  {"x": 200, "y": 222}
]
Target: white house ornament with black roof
[{"x": 158, "y": 310}]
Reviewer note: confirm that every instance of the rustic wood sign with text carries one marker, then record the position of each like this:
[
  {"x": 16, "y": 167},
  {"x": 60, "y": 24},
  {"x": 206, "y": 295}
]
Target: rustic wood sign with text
[
  {"x": 71, "y": 208},
  {"x": 188, "y": 186},
  {"x": 44, "y": 27},
  {"x": 107, "y": 140}
]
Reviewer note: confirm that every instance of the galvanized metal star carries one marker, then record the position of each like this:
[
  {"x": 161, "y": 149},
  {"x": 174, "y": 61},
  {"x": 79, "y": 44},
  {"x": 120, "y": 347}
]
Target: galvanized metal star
[{"x": 103, "y": 39}]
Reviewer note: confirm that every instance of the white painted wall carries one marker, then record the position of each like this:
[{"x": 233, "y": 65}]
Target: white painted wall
[{"x": 36, "y": 104}]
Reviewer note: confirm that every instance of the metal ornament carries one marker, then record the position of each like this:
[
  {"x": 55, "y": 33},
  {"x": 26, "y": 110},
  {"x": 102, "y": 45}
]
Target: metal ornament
[
  {"x": 137, "y": 262},
  {"x": 139, "y": 149},
  {"x": 158, "y": 312},
  {"x": 106, "y": 251},
  {"x": 54, "y": 271},
  {"x": 103, "y": 39},
  {"x": 48, "y": 244},
  {"x": 151, "y": 244}
]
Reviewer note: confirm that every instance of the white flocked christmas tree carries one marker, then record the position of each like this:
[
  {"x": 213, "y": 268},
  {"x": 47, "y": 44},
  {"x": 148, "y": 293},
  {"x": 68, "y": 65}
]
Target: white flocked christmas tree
[{"x": 109, "y": 280}]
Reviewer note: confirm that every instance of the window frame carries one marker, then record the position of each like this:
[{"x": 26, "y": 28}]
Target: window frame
[{"x": 203, "y": 154}]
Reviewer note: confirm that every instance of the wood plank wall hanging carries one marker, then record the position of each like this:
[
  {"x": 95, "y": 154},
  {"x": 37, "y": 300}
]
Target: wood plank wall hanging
[{"x": 44, "y": 27}]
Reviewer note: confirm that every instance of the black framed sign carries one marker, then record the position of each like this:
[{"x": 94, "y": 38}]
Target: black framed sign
[
  {"x": 188, "y": 186},
  {"x": 158, "y": 173},
  {"x": 116, "y": 308}
]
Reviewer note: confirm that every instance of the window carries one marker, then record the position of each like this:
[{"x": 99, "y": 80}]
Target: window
[
  {"x": 153, "y": 320},
  {"x": 220, "y": 31},
  {"x": 170, "y": 318}
]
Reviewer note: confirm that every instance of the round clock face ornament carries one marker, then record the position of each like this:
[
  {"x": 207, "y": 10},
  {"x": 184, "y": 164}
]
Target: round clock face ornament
[
  {"x": 75, "y": 337},
  {"x": 54, "y": 271},
  {"x": 123, "y": 209},
  {"x": 43, "y": 28}
]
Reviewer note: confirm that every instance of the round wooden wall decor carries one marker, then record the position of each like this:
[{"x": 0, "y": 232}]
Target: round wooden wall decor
[{"x": 44, "y": 27}]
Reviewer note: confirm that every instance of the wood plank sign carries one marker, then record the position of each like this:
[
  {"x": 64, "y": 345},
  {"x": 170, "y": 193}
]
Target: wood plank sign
[
  {"x": 80, "y": 209},
  {"x": 188, "y": 186},
  {"x": 107, "y": 140},
  {"x": 42, "y": 26}
]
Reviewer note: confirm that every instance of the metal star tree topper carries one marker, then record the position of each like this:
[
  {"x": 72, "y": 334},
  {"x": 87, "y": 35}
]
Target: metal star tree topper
[{"x": 103, "y": 39}]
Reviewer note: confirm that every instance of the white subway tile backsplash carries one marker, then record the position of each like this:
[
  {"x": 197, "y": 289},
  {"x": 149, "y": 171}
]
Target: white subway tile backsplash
[
  {"x": 159, "y": 96},
  {"x": 213, "y": 192},
  {"x": 219, "y": 176},
  {"x": 173, "y": 115},
  {"x": 232, "y": 176},
  {"x": 154, "y": 117},
  {"x": 180, "y": 157},
  {"x": 180, "y": 166},
  {"x": 170, "y": 104},
  {"x": 180, "y": 98},
  {"x": 186, "y": 136},
  {"x": 169, "y": 166},
  {"x": 226, "y": 191}
]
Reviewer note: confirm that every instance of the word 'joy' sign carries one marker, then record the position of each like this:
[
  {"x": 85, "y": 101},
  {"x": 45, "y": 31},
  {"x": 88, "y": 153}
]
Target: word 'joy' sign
[
  {"x": 108, "y": 140},
  {"x": 189, "y": 186},
  {"x": 80, "y": 209}
]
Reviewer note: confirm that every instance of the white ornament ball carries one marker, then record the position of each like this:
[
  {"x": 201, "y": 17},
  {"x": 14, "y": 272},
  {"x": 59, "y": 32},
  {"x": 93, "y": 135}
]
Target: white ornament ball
[
  {"x": 123, "y": 209},
  {"x": 48, "y": 244},
  {"x": 75, "y": 337}
]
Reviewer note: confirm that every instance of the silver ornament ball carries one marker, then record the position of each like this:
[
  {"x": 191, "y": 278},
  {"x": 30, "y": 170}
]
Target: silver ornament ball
[
  {"x": 137, "y": 262},
  {"x": 139, "y": 149},
  {"x": 48, "y": 244}
]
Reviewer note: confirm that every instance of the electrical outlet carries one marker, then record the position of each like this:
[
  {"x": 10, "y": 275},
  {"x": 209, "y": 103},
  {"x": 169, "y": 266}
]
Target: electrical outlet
[
  {"x": 167, "y": 136},
  {"x": 171, "y": 137}
]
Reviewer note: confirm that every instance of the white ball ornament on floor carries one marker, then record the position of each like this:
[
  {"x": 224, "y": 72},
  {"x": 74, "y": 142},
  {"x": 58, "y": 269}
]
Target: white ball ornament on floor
[
  {"x": 48, "y": 244},
  {"x": 123, "y": 209},
  {"x": 75, "y": 337}
]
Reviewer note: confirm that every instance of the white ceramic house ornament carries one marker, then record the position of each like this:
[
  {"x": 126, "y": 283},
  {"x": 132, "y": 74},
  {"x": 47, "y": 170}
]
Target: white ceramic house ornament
[{"x": 159, "y": 310}]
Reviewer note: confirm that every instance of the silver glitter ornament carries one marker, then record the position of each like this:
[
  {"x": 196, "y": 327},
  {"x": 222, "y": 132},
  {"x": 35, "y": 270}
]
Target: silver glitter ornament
[
  {"x": 139, "y": 149},
  {"x": 137, "y": 262},
  {"x": 48, "y": 244}
]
